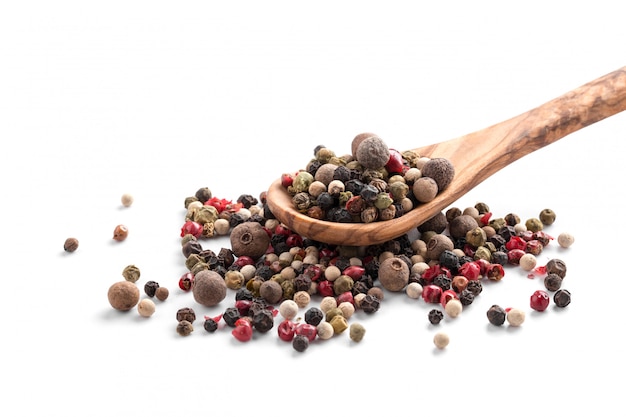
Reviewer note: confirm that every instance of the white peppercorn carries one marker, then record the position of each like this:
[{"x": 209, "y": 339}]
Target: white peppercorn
[
  {"x": 453, "y": 308},
  {"x": 527, "y": 262},
  {"x": 347, "y": 308},
  {"x": 327, "y": 304},
  {"x": 288, "y": 309},
  {"x": 565, "y": 240},
  {"x": 302, "y": 298},
  {"x": 146, "y": 307},
  {"x": 515, "y": 317},
  {"x": 441, "y": 340},
  {"x": 325, "y": 330},
  {"x": 414, "y": 290}
]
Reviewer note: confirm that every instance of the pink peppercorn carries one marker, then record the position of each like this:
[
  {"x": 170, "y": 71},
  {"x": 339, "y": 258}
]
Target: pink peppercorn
[
  {"x": 539, "y": 300},
  {"x": 191, "y": 228},
  {"x": 431, "y": 293}
]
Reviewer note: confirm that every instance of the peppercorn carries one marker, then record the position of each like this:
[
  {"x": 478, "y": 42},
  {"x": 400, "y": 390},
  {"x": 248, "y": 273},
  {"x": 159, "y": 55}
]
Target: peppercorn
[
  {"x": 516, "y": 317},
  {"x": 210, "y": 325},
  {"x": 372, "y": 152},
  {"x": 203, "y": 194},
  {"x": 123, "y": 295},
  {"x": 552, "y": 281},
  {"x": 70, "y": 244},
  {"x": 357, "y": 331},
  {"x": 435, "y": 316},
  {"x": 339, "y": 323},
  {"x": 231, "y": 315},
  {"x": 453, "y": 308},
  {"x": 534, "y": 224},
  {"x": 547, "y": 216},
  {"x": 120, "y": 233},
  {"x": 562, "y": 298},
  {"x": 425, "y": 189},
  {"x": 475, "y": 287},
  {"x": 325, "y": 330},
  {"x": 466, "y": 297},
  {"x": 209, "y": 288},
  {"x": 146, "y": 307},
  {"x": 186, "y": 313},
  {"x": 288, "y": 309},
  {"x": 314, "y": 316},
  {"x": 528, "y": 262},
  {"x": 496, "y": 315},
  {"x": 370, "y": 304},
  {"x": 439, "y": 169},
  {"x": 263, "y": 320},
  {"x": 127, "y": 200},
  {"x": 131, "y": 273},
  {"x": 556, "y": 266},
  {"x": 565, "y": 240},
  {"x": 150, "y": 288},
  {"x": 461, "y": 224},
  {"x": 441, "y": 340},
  {"x": 300, "y": 343},
  {"x": 162, "y": 293},
  {"x": 184, "y": 328}
]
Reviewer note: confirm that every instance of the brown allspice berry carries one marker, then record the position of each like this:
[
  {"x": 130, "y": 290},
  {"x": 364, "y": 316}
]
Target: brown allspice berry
[
  {"x": 249, "y": 239},
  {"x": 439, "y": 169},
  {"x": 372, "y": 153},
  {"x": 393, "y": 274},
  {"x": 123, "y": 295},
  {"x": 437, "y": 244},
  {"x": 357, "y": 141},
  {"x": 271, "y": 291},
  {"x": 162, "y": 293},
  {"x": 437, "y": 224},
  {"x": 208, "y": 288},
  {"x": 70, "y": 244},
  {"x": 325, "y": 173},
  {"x": 460, "y": 225}
]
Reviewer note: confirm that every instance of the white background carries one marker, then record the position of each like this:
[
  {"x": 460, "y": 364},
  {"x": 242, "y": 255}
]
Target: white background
[{"x": 160, "y": 98}]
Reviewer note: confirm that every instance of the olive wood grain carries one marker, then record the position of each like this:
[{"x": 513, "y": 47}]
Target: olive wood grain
[{"x": 475, "y": 157}]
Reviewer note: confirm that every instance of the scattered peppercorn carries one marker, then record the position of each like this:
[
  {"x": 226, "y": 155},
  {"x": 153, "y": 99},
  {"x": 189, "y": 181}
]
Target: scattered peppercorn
[
  {"x": 146, "y": 307},
  {"x": 300, "y": 343},
  {"x": 565, "y": 240},
  {"x": 70, "y": 245},
  {"x": 516, "y": 317},
  {"x": 231, "y": 315},
  {"x": 547, "y": 216},
  {"x": 210, "y": 325},
  {"x": 150, "y": 288},
  {"x": 435, "y": 316},
  {"x": 496, "y": 315},
  {"x": 263, "y": 320},
  {"x": 123, "y": 295},
  {"x": 556, "y": 266},
  {"x": 552, "y": 281},
  {"x": 131, "y": 273},
  {"x": 562, "y": 298},
  {"x": 120, "y": 233},
  {"x": 184, "y": 328},
  {"x": 127, "y": 200},
  {"x": 162, "y": 293},
  {"x": 314, "y": 316},
  {"x": 441, "y": 340},
  {"x": 357, "y": 331},
  {"x": 186, "y": 313}
]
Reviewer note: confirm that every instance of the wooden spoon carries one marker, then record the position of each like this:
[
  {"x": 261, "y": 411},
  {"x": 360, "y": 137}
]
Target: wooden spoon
[{"x": 475, "y": 157}]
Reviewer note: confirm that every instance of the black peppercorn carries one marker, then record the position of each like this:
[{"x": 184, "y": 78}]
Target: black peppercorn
[
  {"x": 300, "y": 342},
  {"x": 496, "y": 315},
  {"x": 243, "y": 294},
  {"x": 186, "y": 313},
  {"x": 231, "y": 315},
  {"x": 263, "y": 320},
  {"x": 150, "y": 288},
  {"x": 247, "y": 200},
  {"x": 449, "y": 260},
  {"x": 475, "y": 287},
  {"x": 435, "y": 316},
  {"x": 210, "y": 325},
  {"x": 466, "y": 297},
  {"x": 325, "y": 201},
  {"x": 562, "y": 298},
  {"x": 370, "y": 304},
  {"x": 556, "y": 266},
  {"x": 443, "y": 281},
  {"x": 552, "y": 281},
  {"x": 313, "y": 316}
]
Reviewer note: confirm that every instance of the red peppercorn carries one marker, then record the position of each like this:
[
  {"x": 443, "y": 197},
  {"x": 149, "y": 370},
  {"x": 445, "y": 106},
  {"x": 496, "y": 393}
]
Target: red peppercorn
[
  {"x": 431, "y": 293},
  {"x": 286, "y": 180},
  {"x": 191, "y": 228},
  {"x": 513, "y": 256},
  {"x": 306, "y": 329},
  {"x": 345, "y": 297},
  {"x": 242, "y": 330},
  {"x": 395, "y": 164},
  {"x": 314, "y": 272},
  {"x": 470, "y": 270},
  {"x": 516, "y": 242},
  {"x": 354, "y": 271},
  {"x": 287, "y": 330},
  {"x": 484, "y": 219},
  {"x": 495, "y": 272},
  {"x": 446, "y": 296},
  {"x": 243, "y": 261},
  {"x": 294, "y": 240},
  {"x": 186, "y": 281},
  {"x": 539, "y": 300},
  {"x": 243, "y": 306},
  {"x": 325, "y": 289},
  {"x": 429, "y": 274}
]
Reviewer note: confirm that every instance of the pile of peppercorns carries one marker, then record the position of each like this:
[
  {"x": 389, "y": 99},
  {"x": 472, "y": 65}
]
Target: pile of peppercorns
[
  {"x": 373, "y": 183},
  {"x": 274, "y": 272}
]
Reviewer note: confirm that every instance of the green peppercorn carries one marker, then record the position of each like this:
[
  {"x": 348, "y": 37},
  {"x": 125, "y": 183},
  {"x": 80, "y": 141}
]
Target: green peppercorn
[
  {"x": 511, "y": 219},
  {"x": 547, "y": 216},
  {"x": 131, "y": 273},
  {"x": 482, "y": 253},
  {"x": 339, "y": 323},
  {"x": 482, "y": 208},
  {"x": 476, "y": 237},
  {"x": 534, "y": 224},
  {"x": 357, "y": 331}
]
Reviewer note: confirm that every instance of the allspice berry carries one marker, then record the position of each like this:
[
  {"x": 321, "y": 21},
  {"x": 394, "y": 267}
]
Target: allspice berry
[
  {"x": 123, "y": 295},
  {"x": 437, "y": 244},
  {"x": 393, "y": 274},
  {"x": 439, "y": 169},
  {"x": 271, "y": 291},
  {"x": 460, "y": 225},
  {"x": 208, "y": 288},
  {"x": 358, "y": 139},
  {"x": 372, "y": 153},
  {"x": 249, "y": 239}
]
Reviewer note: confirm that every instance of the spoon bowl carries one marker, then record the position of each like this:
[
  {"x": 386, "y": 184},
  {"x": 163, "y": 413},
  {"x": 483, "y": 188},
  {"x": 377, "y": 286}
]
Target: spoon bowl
[{"x": 475, "y": 157}]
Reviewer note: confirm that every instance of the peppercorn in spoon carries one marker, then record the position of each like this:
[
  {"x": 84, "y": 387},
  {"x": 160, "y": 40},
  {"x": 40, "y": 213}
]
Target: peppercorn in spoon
[{"x": 475, "y": 157}]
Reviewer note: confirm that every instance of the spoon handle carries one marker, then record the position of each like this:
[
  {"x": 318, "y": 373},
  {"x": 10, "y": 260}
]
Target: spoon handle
[{"x": 480, "y": 154}]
